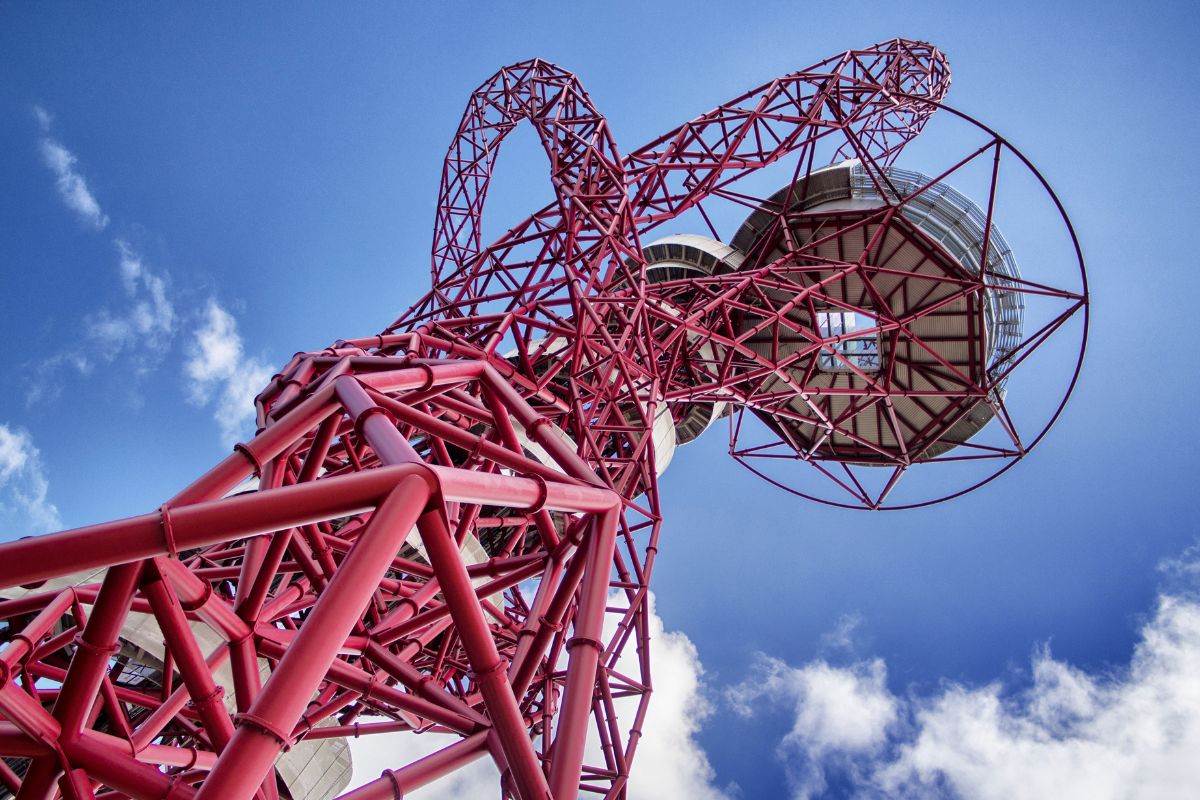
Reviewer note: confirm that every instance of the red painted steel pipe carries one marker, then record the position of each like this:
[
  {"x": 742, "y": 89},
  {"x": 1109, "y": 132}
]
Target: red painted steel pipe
[
  {"x": 202, "y": 601},
  {"x": 351, "y": 677},
  {"x": 391, "y": 449},
  {"x": 113, "y": 768},
  {"x": 262, "y": 731},
  {"x": 217, "y": 482},
  {"x": 158, "y": 719},
  {"x": 420, "y": 684},
  {"x": 197, "y": 525},
  {"x": 206, "y": 695},
  {"x": 584, "y": 656},
  {"x": 480, "y": 487},
  {"x": 488, "y": 667},
  {"x": 447, "y": 564},
  {"x": 81, "y": 686},
  {"x": 393, "y": 784},
  {"x": 22, "y": 644},
  {"x": 27, "y": 715}
]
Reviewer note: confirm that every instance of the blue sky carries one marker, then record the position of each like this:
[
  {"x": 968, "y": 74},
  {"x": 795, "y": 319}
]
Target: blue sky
[{"x": 270, "y": 181}]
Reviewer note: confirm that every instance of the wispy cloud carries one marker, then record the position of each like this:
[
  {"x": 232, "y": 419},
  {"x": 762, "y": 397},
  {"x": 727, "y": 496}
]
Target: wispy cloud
[
  {"x": 42, "y": 380},
  {"x": 147, "y": 322},
  {"x": 845, "y": 638},
  {"x": 220, "y": 373},
  {"x": 44, "y": 118},
  {"x": 1069, "y": 732},
  {"x": 141, "y": 327},
  {"x": 72, "y": 186},
  {"x": 141, "y": 330},
  {"x": 25, "y": 507}
]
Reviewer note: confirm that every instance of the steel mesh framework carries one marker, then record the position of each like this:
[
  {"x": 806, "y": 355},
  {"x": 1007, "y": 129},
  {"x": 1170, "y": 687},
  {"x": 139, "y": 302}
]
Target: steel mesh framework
[{"x": 451, "y": 526}]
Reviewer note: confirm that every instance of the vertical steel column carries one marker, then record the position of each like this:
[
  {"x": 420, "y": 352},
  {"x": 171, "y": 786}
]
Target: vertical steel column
[
  {"x": 585, "y": 648},
  {"x": 488, "y": 666}
]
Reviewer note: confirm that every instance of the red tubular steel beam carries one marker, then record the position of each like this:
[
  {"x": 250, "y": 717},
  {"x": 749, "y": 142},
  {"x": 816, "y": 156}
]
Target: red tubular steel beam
[
  {"x": 23, "y": 643},
  {"x": 419, "y": 684},
  {"x": 393, "y": 784},
  {"x": 355, "y": 679},
  {"x": 464, "y": 609},
  {"x": 27, "y": 715},
  {"x": 197, "y": 525},
  {"x": 206, "y": 696},
  {"x": 262, "y": 732},
  {"x": 584, "y": 650},
  {"x": 511, "y": 416},
  {"x": 158, "y": 719},
  {"x": 202, "y": 601},
  {"x": 486, "y": 663},
  {"x": 113, "y": 768},
  {"x": 81, "y": 686}
]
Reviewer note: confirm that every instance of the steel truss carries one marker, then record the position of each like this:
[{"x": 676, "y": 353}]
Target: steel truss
[{"x": 451, "y": 526}]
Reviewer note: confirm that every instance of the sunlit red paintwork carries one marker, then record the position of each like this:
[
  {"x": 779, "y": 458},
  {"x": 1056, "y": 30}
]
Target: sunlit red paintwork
[{"x": 512, "y": 405}]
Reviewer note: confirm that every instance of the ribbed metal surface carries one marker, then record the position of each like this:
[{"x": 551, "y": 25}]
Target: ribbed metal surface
[
  {"x": 920, "y": 261},
  {"x": 957, "y": 224}
]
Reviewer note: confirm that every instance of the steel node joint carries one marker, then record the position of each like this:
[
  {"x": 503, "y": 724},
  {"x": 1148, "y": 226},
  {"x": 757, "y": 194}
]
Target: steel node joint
[{"x": 265, "y": 725}]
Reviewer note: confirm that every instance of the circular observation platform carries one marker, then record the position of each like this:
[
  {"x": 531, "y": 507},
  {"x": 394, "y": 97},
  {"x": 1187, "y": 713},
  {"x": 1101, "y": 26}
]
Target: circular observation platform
[{"x": 869, "y": 310}]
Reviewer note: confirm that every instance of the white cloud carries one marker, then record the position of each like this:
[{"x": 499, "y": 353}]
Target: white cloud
[
  {"x": 670, "y": 763},
  {"x": 41, "y": 379},
  {"x": 836, "y": 712},
  {"x": 373, "y": 754},
  {"x": 1132, "y": 732},
  {"x": 44, "y": 118},
  {"x": 846, "y": 636},
  {"x": 24, "y": 504},
  {"x": 1182, "y": 574},
  {"x": 147, "y": 323},
  {"x": 72, "y": 187},
  {"x": 143, "y": 326},
  {"x": 140, "y": 329},
  {"x": 220, "y": 373},
  {"x": 151, "y": 314}
]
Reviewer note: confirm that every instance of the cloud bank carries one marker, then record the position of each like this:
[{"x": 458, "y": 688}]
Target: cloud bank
[{"x": 1132, "y": 732}]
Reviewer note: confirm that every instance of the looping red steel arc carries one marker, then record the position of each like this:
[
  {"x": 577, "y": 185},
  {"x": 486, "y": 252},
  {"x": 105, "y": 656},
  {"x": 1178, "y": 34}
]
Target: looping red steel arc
[{"x": 450, "y": 527}]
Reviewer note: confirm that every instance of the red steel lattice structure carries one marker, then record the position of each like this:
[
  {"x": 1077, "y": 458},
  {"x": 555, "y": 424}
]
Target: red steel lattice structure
[{"x": 451, "y": 526}]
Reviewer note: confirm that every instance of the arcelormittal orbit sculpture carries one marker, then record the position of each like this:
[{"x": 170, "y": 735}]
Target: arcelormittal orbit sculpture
[{"x": 451, "y": 526}]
